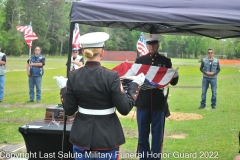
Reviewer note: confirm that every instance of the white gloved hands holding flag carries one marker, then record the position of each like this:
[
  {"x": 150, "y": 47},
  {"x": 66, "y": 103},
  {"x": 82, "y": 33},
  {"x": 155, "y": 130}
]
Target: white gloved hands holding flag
[
  {"x": 61, "y": 81},
  {"x": 139, "y": 79}
]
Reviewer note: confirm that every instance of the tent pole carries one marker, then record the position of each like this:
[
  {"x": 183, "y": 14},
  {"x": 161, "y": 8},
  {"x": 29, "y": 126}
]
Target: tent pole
[
  {"x": 70, "y": 47},
  {"x": 68, "y": 69}
]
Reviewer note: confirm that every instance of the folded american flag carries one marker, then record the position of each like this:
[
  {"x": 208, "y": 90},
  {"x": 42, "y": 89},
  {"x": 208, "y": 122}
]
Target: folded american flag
[{"x": 155, "y": 77}]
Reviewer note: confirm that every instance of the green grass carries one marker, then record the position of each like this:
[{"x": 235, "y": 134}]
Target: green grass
[
  {"x": 215, "y": 133},
  {"x": 218, "y": 130}
]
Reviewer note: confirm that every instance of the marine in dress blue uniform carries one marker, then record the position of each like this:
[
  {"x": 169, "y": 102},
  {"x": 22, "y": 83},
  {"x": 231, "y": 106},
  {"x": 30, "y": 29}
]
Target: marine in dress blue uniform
[
  {"x": 95, "y": 92},
  {"x": 152, "y": 104}
]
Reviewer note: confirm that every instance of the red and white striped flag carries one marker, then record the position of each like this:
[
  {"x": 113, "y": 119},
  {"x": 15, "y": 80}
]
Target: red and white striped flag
[
  {"x": 141, "y": 45},
  {"x": 22, "y": 28},
  {"x": 29, "y": 35},
  {"x": 156, "y": 77},
  {"x": 76, "y": 36}
]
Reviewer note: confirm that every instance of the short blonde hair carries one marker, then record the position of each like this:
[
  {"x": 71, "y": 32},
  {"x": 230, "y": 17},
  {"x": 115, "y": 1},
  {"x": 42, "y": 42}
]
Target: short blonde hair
[{"x": 92, "y": 52}]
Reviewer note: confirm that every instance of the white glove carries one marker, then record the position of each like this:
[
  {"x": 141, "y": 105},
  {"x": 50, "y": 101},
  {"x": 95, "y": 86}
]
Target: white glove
[
  {"x": 139, "y": 79},
  {"x": 61, "y": 81},
  {"x": 165, "y": 89},
  {"x": 175, "y": 74}
]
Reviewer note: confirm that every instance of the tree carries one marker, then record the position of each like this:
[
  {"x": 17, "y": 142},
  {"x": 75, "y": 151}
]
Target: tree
[
  {"x": 237, "y": 48},
  {"x": 229, "y": 47},
  {"x": 172, "y": 45},
  {"x": 111, "y": 44},
  {"x": 50, "y": 21},
  {"x": 3, "y": 33},
  {"x": 196, "y": 45},
  {"x": 15, "y": 46}
]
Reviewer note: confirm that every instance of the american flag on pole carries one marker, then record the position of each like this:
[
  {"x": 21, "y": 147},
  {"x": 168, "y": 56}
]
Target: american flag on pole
[
  {"x": 76, "y": 36},
  {"x": 141, "y": 45},
  {"x": 22, "y": 28},
  {"x": 29, "y": 35},
  {"x": 155, "y": 77}
]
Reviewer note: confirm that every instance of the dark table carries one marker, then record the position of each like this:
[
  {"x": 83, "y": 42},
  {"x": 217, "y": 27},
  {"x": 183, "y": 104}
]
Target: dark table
[{"x": 46, "y": 142}]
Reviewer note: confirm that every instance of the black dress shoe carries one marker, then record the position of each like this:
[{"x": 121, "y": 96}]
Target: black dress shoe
[
  {"x": 1, "y": 100},
  {"x": 201, "y": 107}
]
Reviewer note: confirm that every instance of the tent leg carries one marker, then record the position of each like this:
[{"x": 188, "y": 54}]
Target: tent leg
[{"x": 64, "y": 133}]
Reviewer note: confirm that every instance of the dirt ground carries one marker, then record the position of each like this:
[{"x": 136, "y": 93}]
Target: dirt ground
[
  {"x": 184, "y": 116},
  {"x": 29, "y": 105},
  {"x": 229, "y": 61},
  {"x": 178, "y": 116},
  {"x": 174, "y": 115}
]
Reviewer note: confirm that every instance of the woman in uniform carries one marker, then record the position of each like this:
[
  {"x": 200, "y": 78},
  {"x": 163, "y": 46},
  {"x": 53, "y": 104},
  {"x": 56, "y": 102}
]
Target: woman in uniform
[{"x": 95, "y": 93}]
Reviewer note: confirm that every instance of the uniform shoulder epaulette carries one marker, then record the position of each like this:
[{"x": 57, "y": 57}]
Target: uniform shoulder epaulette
[
  {"x": 144, "y": 56},
  {"x": 167, "y": 57},
  {"x": 76, "y": 69},
  {"x": 164, "y": 57},
  {"x": 108, "y": 69}
]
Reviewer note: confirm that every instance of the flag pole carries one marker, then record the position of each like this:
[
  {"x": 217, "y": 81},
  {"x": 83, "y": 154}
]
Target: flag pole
[
  {"x": 29, "y": 53},
  {"x": 29, "y": 58},
  {"x": 30, "y": 45}
]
